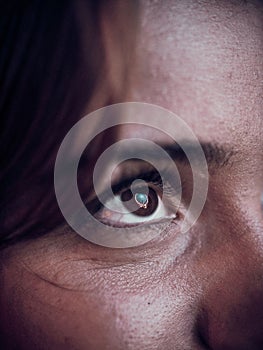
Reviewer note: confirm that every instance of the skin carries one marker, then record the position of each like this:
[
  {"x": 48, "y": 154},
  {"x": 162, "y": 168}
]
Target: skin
[{"x": 203, "y": 61}]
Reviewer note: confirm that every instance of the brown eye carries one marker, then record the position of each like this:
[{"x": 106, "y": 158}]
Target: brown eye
[{"x": 147, "y": 203}]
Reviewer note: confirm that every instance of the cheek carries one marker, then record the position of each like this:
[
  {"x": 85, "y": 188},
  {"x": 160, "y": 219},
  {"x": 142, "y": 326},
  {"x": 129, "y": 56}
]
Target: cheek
[{"x": 38, "y": 313}]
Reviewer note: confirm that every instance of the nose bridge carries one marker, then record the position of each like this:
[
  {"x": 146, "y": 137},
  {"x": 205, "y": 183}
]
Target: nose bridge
[{"x": 233, "y": 299}]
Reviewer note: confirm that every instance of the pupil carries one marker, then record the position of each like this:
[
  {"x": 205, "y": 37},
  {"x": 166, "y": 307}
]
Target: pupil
[
  {"x": 148, "y": 201},
  {"x": 141, "y": 198}
]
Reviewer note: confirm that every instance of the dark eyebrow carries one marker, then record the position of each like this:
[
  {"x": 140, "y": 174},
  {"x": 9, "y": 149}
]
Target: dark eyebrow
[{"x": 216, "y": 155}]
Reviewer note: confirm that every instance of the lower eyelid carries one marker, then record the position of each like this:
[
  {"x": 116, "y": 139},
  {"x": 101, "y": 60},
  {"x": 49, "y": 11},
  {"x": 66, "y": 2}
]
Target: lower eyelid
[
  {"x": 156, "y": 231},
  {"x": 142, "y": 224}
]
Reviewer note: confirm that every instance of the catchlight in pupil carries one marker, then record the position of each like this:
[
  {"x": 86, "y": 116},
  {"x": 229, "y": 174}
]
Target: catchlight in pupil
[
  {"x": 141, "y": 199},
  {"x": 146, "y": 203}
]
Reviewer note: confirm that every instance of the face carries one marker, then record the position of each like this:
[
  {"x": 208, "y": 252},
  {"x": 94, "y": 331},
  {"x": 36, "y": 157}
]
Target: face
[{"x": 199, "y": 290}]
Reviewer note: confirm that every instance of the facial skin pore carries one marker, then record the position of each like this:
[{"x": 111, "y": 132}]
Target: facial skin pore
[{"x": 203, "y": 60}]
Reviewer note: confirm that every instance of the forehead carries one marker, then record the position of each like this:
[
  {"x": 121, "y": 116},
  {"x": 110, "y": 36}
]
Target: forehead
[{"x": 203, "y": 60}]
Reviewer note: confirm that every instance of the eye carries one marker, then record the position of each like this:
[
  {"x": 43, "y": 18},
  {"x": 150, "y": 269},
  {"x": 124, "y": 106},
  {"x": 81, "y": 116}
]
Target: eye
[
  {"x": 138, "y": 206},
  {"x": 134, "y": 206}
]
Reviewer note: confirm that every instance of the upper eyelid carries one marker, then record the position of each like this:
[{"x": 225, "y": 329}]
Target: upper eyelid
[{"x": 151, "y": 177}]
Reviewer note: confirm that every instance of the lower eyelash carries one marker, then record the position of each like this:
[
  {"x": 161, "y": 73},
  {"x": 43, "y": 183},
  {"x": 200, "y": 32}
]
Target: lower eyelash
[{"x": 145, "y": 224}]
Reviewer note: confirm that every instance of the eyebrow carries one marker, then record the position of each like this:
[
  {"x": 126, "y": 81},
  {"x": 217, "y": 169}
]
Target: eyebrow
[{"x": 216, "y": 155}]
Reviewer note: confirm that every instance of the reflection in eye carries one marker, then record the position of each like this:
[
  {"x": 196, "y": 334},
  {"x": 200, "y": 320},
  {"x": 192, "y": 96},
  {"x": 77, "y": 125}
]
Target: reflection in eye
[{"x": 136, "y": 206}]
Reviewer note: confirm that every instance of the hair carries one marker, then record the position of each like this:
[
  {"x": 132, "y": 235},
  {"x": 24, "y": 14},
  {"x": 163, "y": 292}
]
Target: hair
[{"x": 58, "y": 61}]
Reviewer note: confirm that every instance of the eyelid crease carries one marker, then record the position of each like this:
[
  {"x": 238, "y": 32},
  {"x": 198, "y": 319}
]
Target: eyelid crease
[
  {"x": 216, "y": 155},
  {"x": 151, "y": 177}
]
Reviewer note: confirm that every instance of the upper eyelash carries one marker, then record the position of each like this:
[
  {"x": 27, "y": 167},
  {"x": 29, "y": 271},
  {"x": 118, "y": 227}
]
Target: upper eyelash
[{"x": 151, "y": 177}]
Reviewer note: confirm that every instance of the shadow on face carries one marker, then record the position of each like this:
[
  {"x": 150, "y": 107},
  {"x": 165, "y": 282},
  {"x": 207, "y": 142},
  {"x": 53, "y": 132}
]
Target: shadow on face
[{"x": 201, "y": 290}]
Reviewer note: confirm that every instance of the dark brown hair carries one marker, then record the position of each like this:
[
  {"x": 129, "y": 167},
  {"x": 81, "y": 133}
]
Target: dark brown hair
[{"x": 58, "y": 60}]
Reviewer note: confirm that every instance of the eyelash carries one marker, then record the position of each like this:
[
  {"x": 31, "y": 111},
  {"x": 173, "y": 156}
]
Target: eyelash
[
  {"x": 152, "y": 178},
  {"x": 113, "y": 225}
]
